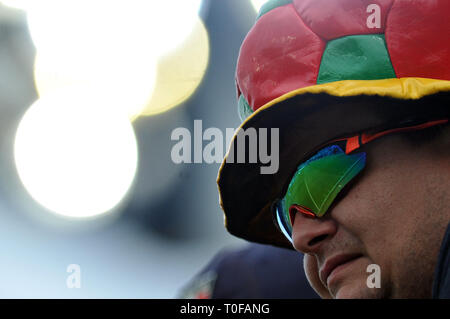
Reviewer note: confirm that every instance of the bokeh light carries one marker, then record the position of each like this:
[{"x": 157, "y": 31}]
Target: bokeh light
[
  {"x": 132, "y": 83},
  {"x": 17, "y": 4},
  {"x": 155, "y": 26},
  {"x": 71, "y": 158},
  {"x": 180, "y": 72},
  {"x": 257, "y": 4},
  {"x": 114, "y": 46}
]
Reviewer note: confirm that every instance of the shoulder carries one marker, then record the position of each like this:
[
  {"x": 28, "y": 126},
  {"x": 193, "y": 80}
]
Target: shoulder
[
  {"x": 441, "y": 284},
  {"x": 255, "y": 271}
]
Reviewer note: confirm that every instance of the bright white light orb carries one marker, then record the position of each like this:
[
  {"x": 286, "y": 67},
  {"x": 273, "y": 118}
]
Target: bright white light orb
[
  {"x": 71, "y": 158},
  {"x": 155, "y": 27},
  {"x": 17, "y": 4},
  {"x": 257, "y": 4},
  {"x": 109, "y": 45},
  {"x": 100, "y": 44},
  {"x": 130, "y": 81}
]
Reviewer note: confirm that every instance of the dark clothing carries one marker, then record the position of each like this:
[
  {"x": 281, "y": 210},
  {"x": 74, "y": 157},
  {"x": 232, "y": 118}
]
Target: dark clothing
[
  {"x": 441, "y": 284},
  {"x": 257, "y": 271}
]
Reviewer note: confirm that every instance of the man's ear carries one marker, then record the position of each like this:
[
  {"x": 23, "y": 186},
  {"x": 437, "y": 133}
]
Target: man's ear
[{"x": 312, "y": 274}]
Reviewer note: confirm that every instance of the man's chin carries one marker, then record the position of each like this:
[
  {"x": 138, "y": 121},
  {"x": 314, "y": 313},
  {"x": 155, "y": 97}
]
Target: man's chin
[{"x": 356, "y": 291}]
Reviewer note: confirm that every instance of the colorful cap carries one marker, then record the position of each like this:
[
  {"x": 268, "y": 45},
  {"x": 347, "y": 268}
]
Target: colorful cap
[
  {"x": 300, "y": 46},
  {"x": 324, "y": 69}
]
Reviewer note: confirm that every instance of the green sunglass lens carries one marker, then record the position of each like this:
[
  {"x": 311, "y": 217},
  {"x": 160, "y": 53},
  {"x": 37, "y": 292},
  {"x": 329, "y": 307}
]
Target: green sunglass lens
[{"x": 318, "y": 181}]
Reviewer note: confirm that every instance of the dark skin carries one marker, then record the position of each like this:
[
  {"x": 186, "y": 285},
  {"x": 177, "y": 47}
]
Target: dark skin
[{"x": 394, "y": 215}]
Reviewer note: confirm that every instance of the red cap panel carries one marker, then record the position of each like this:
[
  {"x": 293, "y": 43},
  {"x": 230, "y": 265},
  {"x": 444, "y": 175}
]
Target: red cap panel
[
  {"x": 417, "y": 37},
  {"x": 280, "y": 54},
  {"x": 334, "y": 19}
]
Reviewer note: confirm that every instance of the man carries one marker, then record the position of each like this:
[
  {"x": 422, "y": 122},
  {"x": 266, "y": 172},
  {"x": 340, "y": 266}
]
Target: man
[
  {"x": 394, "y": 216},
  {"x": 360, "y": 93}
]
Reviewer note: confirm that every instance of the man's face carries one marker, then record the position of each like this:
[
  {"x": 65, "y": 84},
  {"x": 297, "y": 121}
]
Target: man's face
[{"x": 394, "y": 215}]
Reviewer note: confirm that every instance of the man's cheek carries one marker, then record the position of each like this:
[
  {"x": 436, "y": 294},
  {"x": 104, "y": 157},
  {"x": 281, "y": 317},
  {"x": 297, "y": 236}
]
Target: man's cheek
[{"x": 312, "y": 274}]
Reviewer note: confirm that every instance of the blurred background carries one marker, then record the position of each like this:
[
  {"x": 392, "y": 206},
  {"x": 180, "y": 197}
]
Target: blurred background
[{"x": 90, "y": 91}]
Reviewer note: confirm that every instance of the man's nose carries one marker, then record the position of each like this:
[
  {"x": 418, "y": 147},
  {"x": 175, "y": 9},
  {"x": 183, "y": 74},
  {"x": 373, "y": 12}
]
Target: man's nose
[{"x": 309, "y": 232}]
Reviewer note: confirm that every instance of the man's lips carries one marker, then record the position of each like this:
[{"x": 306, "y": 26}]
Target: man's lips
[{"x": 333, "y": 262}]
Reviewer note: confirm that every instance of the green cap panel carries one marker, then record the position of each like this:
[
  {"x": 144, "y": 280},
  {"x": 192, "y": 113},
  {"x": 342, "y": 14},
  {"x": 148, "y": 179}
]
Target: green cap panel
[
  {"x": 244, "y": 108},
  {"x": 270, "y": 5},
  {"x": 356, "y": 57},
  {"x": 317, "y": 184}
]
